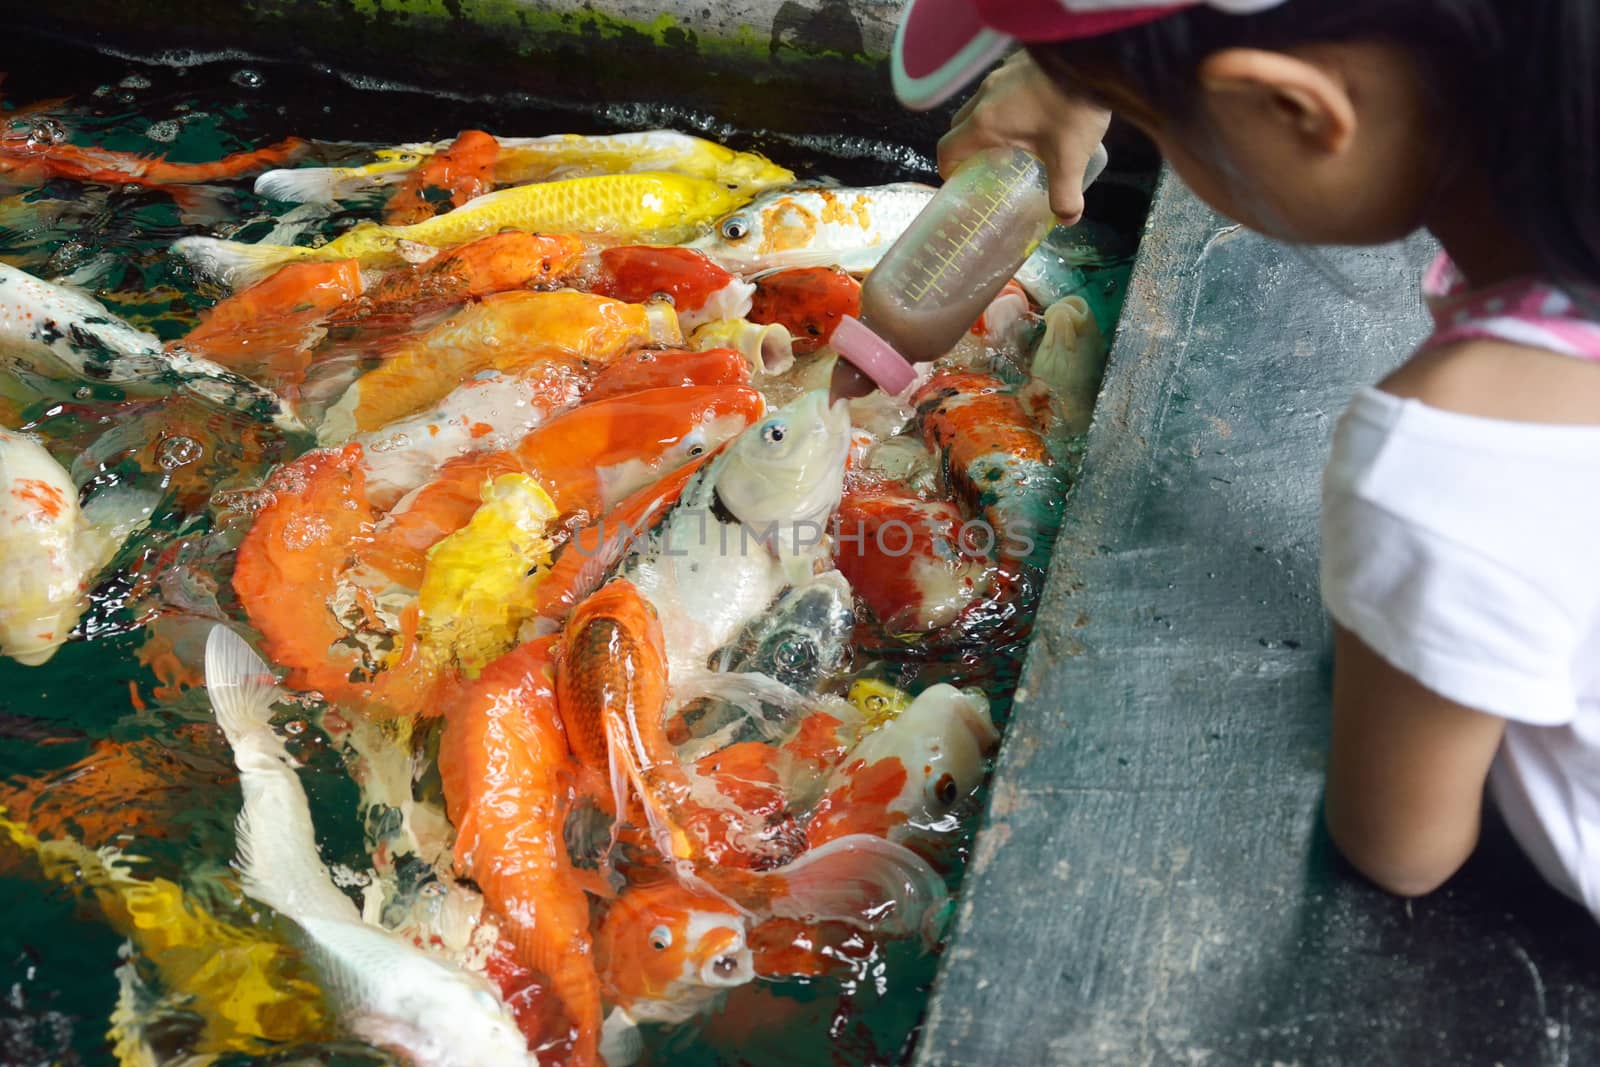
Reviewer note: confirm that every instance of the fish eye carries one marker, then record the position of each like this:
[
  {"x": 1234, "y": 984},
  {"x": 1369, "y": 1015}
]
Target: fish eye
[
  {"x": 735, "y": 228},
  {"x": 945, "y": 791},
  {"x": 796, "y": 654},
  {"x": 661, "y": 939},
  {"x": 661, "y": 296},
  {"x": 772, "y": 433},
  {"x": 697, "y": 450}
]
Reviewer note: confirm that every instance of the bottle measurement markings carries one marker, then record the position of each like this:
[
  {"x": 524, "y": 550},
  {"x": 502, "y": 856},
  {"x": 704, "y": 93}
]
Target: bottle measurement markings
[{"x": 933, "y": 274}]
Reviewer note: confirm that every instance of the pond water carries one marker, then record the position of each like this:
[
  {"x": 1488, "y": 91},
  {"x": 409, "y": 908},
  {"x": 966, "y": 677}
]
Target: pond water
[{"x": 112, "y": 742}]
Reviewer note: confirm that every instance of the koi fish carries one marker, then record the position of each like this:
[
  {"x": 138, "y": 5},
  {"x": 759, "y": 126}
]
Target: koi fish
[
  {"x": 478, "y": 585},
  {"x": 651, "y": 368},
  {"x": 822, "y": 227},
  {"x": 53, "y": 330},
  {"x": 911, "y": 560},
  {"x": 121, "y": 790},
  {"x": 808, "y": 302},
  {"x": 906, "y": 777},
  {"x": 385, "y": 990},
  {"x": 292, "y": 577},
  {"x": 490, "y": 412},
  {"x": 595, "y": 550},
  {"x": 270, "y": 328},
  {"x": 497, "y": 263},
  {"x": 588, "y": 459},
  {"x": 464, "y": 169},
  {"x": 1071, "y": 360},
  {"x": 666, "y": 953},
  {"x": 698, "y": 290},
  {"x": 505, "y": 769},
  {"x": 50, "y": 549},
  {"x": 541, "y": 159},
  {"x": 748, "y": 524},
  {"x": 993, "y": 455},
  {"x": 768, "y": 348},
  {"x": 611, "y": 692},
  {"x": 802, "y": 641},
  {"x": 41, "y": 160},
  {"x": 647, "y": 207},
  {"x": 244, "y": 985},
  {"x": 509, "y": 332}
]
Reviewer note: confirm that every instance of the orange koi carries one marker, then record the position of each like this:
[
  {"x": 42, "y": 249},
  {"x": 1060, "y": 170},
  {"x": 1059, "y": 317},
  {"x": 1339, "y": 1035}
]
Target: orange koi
[
  {"x": 268, "y": 330},
  {"x": 594, "y": 550},
  {"x": 41, "y": 160},
  {"x": 651, "y": 368},
  {"x": 509, "y": 332},
  {"x": 808, "y": 301},
  {"x": 697, "y": 288},
  {"x": 290, "y": 574},
  {"x": 587, "y": 459},
  {"x": 506, "y": 774},
  {"x": 911, "y": 560},
  {"x": 499, "y": 263},
  {"x": 453, "y": 176}
]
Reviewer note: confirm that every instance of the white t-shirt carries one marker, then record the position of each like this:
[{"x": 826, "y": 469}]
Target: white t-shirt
[{"x": 1466, "y": 552}]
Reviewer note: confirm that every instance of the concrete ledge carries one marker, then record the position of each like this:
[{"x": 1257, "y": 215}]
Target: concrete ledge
[{"x": 1151, "y": 885}]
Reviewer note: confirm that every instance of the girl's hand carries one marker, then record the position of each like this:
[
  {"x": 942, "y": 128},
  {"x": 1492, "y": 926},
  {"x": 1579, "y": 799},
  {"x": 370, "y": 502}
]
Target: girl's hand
[{"x": 1018, "y": 104}]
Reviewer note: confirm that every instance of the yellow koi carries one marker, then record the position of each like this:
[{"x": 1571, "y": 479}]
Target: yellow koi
[
  {"x": 530, "y": 159},
  {"x": 646, "y": 208},
  {"x": 243, "y": 983}
]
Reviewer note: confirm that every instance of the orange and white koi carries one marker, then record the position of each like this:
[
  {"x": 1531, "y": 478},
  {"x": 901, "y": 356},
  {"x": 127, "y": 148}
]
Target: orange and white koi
[
  {"x": 666, "y": 953},
  {"x": 509, "y": 332},
  {"x": 819, "y": 227},
  {"x": 915, "y": 562},
  {"x": 698, "y": 290},
  {"x": 50, "y": 548},
  {"x": 905, "y": 778},
  {"x": 654, "y": 368}
]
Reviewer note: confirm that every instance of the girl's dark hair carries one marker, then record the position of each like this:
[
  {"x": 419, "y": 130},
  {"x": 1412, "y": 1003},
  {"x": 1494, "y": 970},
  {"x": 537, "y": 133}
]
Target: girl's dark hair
[{"x": 1516, "y": 83}]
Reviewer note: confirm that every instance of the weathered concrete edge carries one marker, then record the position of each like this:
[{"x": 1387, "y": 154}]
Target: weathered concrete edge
[{"x": 1147, "y": 351}]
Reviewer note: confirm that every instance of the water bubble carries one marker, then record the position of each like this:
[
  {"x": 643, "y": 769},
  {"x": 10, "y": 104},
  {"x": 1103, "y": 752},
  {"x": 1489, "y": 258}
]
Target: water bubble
[
  {"x": 177, "y": 452},
  {"x": 248, "y": 79},
  {"x": 294, "y": 727},
  {"x": 164, "y": 131},
  {"x": 135, "y": 81},
  {"x": 82, "y": 392},
  {"x": 44, "y": 131}
]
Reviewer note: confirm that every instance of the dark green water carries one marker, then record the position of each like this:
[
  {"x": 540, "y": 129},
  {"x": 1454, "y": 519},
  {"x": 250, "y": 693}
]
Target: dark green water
[{"x": 57, "y": 955}]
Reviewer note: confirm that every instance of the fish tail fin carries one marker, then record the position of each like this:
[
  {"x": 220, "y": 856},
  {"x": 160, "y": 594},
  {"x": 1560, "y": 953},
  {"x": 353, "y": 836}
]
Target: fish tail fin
[
  {"x": 317, "y": 185},
  {"x": 235, "y": 264},
  {"x": 240, "y": 684},
  {"x": 866, "y": 881}
]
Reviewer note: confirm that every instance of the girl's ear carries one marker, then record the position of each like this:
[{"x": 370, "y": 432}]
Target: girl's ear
[{"x": 1274, "y": 91}]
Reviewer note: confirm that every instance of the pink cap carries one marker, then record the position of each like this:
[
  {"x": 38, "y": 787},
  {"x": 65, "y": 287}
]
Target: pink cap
[
  {"x": 872, "y": 356},
  {"x": 943, "y": 45}
]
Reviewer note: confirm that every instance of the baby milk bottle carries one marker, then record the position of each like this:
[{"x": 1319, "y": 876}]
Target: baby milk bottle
[{"x": 936, "y": 280}]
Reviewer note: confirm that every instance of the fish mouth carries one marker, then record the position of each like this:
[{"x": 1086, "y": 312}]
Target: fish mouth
[
  {"x": 728, "y": 961},
  {"x": 974, "y": 710}
]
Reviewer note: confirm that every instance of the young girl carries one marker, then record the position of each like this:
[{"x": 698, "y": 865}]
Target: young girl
[{"x": 1461, "y": 505}]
